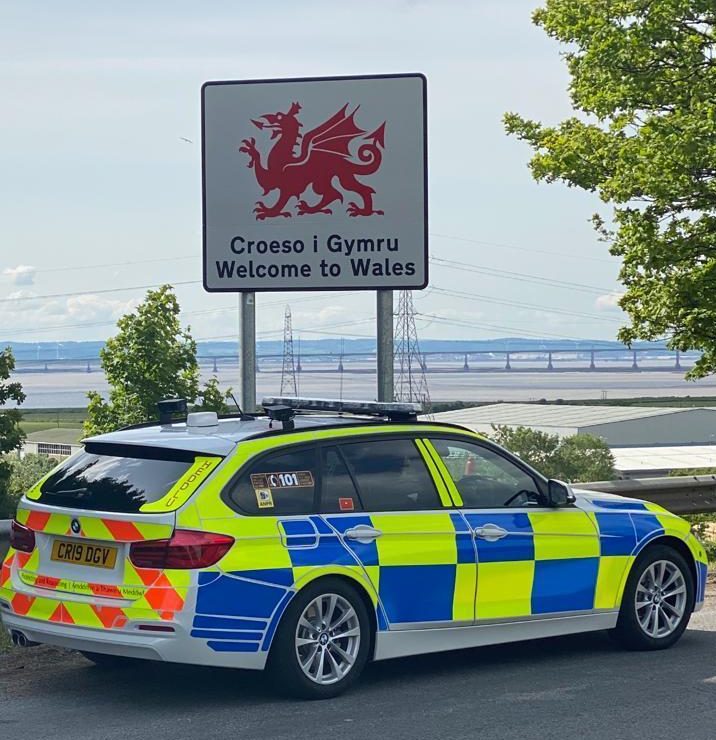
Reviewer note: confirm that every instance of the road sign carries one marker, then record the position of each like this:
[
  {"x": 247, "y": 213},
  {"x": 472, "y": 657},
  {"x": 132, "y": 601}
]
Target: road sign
[{"x": 315, "y": 184}]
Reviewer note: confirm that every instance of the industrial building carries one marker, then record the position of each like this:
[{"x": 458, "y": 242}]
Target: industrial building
[{"x": 618, "y": 426}]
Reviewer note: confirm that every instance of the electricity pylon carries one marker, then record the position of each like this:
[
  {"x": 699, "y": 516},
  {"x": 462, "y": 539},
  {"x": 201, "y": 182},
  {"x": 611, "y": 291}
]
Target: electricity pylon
[
  {"x": 411, "y": 384},
  {"x": 289, "y": 383}
]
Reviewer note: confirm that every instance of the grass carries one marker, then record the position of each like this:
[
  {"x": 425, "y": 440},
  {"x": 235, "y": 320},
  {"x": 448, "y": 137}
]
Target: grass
[
  {"x": 5, "y": 643},
  {"x": 55, "y": 417},
  {"x": 37, "y": 420}
]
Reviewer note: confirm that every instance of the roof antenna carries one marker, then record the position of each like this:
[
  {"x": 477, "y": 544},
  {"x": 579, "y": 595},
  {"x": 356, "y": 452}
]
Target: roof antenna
[{"x": 242, "y": 415}]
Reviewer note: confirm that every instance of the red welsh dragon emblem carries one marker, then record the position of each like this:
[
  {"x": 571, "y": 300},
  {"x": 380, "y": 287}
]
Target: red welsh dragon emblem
[{"x": 323, "y": 161}]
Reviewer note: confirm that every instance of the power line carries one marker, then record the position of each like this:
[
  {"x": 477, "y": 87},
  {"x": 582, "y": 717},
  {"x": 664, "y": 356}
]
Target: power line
[
  {"x": 518, "y": 304},
  {"x": 519, "y": 276},
  {"x": 96, "y": 292},
  {"x": 532, "y": 250},
  {"x": 497, "y": 327}
]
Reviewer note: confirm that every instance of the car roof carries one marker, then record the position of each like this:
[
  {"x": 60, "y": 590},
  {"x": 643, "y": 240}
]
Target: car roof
[{"x": 223, "y": 438}]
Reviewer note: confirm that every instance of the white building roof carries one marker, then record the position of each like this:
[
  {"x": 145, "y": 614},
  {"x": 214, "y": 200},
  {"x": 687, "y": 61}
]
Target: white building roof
[
  {"x": 557, "y": 416},
  {"x": 643, "y": 459}
]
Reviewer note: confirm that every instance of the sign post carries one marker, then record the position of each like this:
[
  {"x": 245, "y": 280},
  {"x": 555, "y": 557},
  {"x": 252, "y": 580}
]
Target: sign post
[
  {"x": 384, "y": 344},
  {"x": 315, "y": 184},
  {"x": 247, "y": 351}
]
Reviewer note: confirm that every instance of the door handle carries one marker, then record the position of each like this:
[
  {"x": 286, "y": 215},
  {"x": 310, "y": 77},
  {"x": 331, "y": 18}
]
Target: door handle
[
  {"x": 490, "y": 532},
  {"x": 362, "y": 533}
]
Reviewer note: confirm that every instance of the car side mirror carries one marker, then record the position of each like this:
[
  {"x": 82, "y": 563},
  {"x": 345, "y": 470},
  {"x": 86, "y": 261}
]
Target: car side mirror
[{"x": 560, "y": 494}]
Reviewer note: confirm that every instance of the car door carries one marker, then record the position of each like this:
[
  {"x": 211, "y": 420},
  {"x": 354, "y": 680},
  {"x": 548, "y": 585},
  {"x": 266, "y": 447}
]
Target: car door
[
  {"x": 532, "y": 559},
  {"x": 380, "y": 494}
]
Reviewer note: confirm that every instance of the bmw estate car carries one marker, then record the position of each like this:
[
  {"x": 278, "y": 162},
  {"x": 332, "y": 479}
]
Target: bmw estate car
[{"x": 317, "y": 536}]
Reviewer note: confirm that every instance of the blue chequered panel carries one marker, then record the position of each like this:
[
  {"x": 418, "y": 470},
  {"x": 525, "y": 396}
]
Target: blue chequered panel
[
  {"x": 646, "y": 526},
  {"x": 616, "y": 534},
  {"x": 564, "y": 585},
  {"x": 417, "y": 593},
  {"x": 366, "y": 553},
  {"x": 518, "y": 545},
  {"x": 227, "y": 596}
]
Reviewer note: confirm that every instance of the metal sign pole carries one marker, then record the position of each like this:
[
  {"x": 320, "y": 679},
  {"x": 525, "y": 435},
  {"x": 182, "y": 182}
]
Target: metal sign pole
[
  {"x": 384, "y": 345},
  {"x": 247, "y": 350}
]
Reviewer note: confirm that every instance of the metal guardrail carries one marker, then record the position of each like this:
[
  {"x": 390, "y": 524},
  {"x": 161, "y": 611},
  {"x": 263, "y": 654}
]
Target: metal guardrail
[{"x": 694, "y": 494}]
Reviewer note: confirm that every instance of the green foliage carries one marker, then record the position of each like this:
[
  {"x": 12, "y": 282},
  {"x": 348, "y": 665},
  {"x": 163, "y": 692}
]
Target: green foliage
[
  {"x": 11, "y": 435},
  {"x": 213, "y": 398},
  {"x": 24, "y": 473},
  {"x": 643, "y": 78},
  {"x": 150, "y": 358},
  {"x": 575, "y": 459}
]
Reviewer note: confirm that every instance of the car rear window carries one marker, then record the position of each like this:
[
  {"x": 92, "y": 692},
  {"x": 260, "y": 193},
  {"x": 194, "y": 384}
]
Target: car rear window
[{"x": 119, "y": 478}]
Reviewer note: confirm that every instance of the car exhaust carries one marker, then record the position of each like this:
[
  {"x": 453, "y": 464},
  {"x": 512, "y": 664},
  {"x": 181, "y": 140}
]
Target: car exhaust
[{"x": 19, "y": 639}]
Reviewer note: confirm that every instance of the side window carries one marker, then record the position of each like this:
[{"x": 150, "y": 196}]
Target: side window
[
  {"x": 391, "y": 475},
  {"x": 485, "y": 479},
  {"x": 279, "y": 484},
  {"x": 338, "y": 493}
]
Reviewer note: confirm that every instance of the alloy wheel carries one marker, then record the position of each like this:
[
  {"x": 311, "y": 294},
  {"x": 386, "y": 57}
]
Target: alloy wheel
[
  {"x": 660, "y": 599},
  {"x": 327, "y": 638}
]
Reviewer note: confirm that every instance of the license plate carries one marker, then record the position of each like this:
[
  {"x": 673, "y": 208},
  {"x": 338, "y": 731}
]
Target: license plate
[{"x": 82, "y": 553}]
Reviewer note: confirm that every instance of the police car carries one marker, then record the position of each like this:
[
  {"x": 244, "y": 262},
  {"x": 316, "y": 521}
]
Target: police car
[{"x": 320, "y": 535}]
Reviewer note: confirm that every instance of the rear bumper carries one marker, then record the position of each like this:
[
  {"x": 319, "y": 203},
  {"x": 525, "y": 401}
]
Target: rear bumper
[{"x": 130, "y": 642}]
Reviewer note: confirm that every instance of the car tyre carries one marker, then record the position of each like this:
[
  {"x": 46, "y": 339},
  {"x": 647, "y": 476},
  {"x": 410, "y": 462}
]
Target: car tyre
[
  {"x": 323, "y": 641},
  {"x": 658, "y": 600}
]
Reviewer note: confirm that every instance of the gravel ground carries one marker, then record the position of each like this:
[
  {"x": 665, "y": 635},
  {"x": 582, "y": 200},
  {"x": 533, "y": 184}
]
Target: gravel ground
[{"x": 580, "y": 685}]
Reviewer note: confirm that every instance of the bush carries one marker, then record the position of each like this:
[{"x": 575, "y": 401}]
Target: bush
[
  {"x": 575, "y": 459},
  {"x": 24, "y": 473}
]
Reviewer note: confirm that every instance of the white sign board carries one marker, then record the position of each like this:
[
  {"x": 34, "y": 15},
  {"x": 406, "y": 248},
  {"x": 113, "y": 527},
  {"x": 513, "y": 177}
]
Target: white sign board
[{"x": 315, "y": 184}]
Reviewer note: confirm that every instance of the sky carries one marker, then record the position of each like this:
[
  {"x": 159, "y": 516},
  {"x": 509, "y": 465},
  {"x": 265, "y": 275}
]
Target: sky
[{"x": 100, "y": 189}]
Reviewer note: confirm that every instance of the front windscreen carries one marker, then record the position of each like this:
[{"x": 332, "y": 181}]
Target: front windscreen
[{"x": 115, "y": 478}]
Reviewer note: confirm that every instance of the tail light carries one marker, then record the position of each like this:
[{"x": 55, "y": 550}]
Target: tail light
[
  {"x": 21, "y": 538},
  {"x": 185, "y": 549}
]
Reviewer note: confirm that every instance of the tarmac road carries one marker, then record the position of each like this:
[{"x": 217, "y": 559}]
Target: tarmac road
[{"x": 574, "y": 687}]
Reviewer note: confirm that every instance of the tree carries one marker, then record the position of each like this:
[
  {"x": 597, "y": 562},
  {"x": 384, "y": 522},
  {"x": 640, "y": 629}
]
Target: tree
[
  {"x": 150, "y": 358},
  {"x": 24, "y": 473},
  {"x": 11, "y": 435},
  {"x": 213, "y": 398},
  {"x": 643, "y": 77},
  {"x": 575, "y": 459}
]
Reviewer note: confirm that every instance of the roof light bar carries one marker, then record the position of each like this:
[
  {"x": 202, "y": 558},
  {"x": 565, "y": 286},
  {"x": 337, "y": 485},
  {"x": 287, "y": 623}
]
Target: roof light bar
[{"x": 393, "y": 411}]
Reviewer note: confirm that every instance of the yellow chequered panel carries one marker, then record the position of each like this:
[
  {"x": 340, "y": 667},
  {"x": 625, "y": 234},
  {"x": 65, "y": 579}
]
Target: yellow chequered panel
[
  {"x": 505, "y": 589},
  {"x": 82, "y": 614},
  {"x": 611, "y": 579},
  {"x": 258, "y": 546},
  {"x": 671, "y": 523},
  {"x": 415, "y": 539},
  {"x": 463, "y": 605},
  {"x": 304, "y": 574},
  {"x": 564, "y": 534}
]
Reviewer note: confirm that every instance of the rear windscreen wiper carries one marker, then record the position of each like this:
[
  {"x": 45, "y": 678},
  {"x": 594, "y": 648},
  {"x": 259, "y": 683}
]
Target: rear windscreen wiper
[{"x": 67, "y": 491}]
